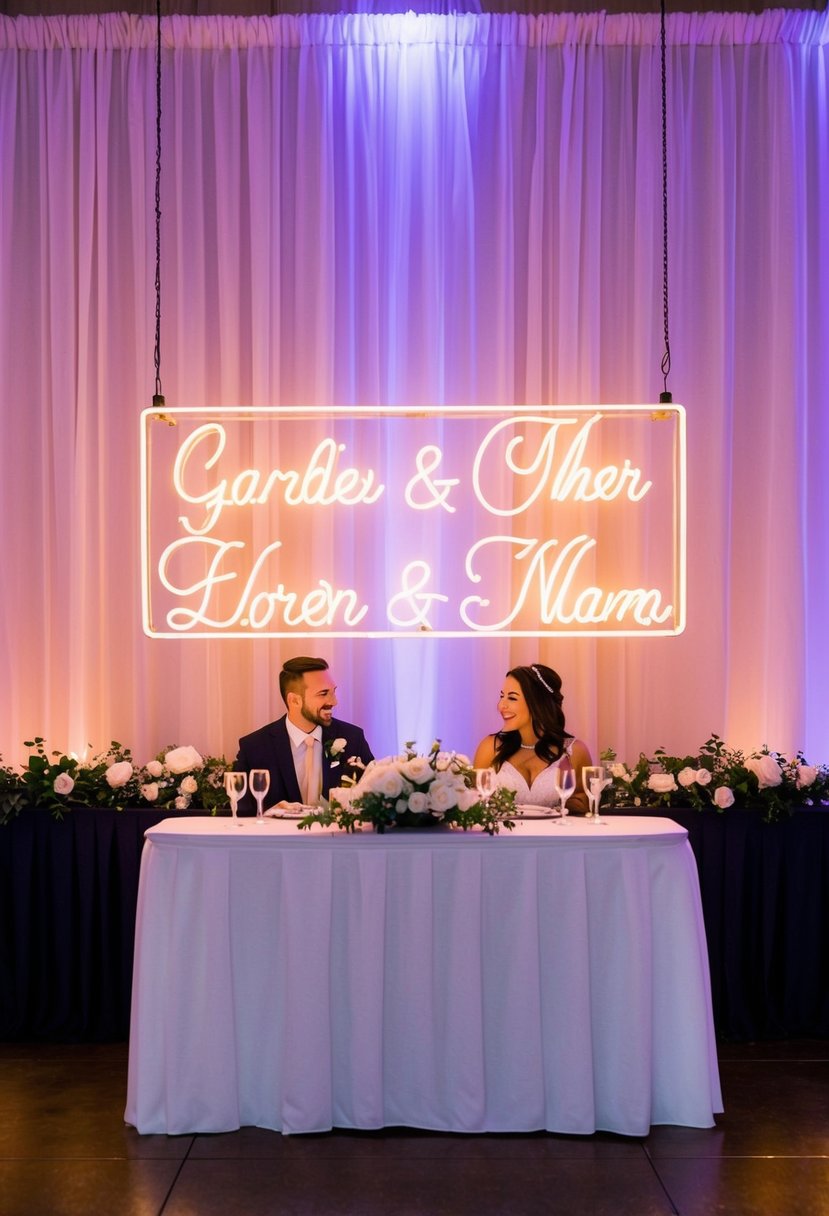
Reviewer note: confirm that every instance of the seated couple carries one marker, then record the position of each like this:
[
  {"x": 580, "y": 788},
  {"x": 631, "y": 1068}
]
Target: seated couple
[{"x": 308, "y": 751}]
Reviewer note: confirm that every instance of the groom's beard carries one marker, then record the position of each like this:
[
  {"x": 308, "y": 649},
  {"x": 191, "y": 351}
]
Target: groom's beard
[{"x": 323, "y": 718}]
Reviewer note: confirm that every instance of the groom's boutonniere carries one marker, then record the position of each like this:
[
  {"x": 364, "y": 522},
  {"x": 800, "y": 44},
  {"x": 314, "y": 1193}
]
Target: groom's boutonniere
[{"x": 332, "y": 749}]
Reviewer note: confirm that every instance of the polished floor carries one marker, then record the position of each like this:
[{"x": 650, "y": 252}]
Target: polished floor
[{"x": 65, "y": 1151}]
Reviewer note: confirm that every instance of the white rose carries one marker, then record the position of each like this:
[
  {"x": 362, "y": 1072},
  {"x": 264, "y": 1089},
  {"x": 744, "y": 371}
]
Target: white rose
[
  {"x": 63, "y": 784},
  {"x": 390, "y": 784},
  {"x": 401, "y": 806},
  {"x": 443, "y": 760},
  {"x": 723, "y": 796},
  {"x": 150, "y": 792},
  {"x": 442, "y": 797},
  {"x": 182, "y": 803},
  {"x": 619, "y": 770},
  {"x": 703, "y": 776},
  {"x": 155, "y": 768},
  {"x": 467, "y": 798},
  {"x": 343, "y": 795},
  {"x": 766, "y": 770},
  {"x": 463, "y": 760},
  {"x": 418, "y": 770},
  {"x": 661, "y": 783},
  {"x": 687, "y": 776},
  {"x": 336, "y": 747},
  {"x": 418, "y": 802},
  {"x": 806, "y": 774},
  {"x": 118, "y": 774},
  {"x": 188, "y": 786},
  {"x": 183, "y": 759}
]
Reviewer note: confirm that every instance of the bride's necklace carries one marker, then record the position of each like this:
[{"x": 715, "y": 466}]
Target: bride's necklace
[{"x": 528, "y": 747}]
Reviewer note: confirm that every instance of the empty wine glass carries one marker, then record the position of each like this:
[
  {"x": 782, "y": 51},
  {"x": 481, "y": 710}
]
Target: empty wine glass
[
  {"x": 235, "y": 784},
  {"x": 259, "y": 783},
  {"x": 485, "y": 783},
  {"x": 595, "y": 778},
  {"x": 564, "y": 780}
]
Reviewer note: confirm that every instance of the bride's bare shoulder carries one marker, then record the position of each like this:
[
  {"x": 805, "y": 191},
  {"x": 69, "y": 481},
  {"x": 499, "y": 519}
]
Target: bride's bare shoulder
[{"x": 485, "y": 752}]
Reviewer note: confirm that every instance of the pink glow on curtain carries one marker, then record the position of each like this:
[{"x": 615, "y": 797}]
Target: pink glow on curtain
[{"x": 399, "y": 209}]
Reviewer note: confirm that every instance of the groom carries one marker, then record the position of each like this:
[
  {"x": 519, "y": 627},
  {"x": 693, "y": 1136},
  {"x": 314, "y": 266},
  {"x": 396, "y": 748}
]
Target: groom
[{"x": 306, "y": 751}]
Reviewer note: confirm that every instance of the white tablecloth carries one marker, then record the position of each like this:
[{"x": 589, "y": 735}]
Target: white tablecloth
[{"x": 555, "y": 977}]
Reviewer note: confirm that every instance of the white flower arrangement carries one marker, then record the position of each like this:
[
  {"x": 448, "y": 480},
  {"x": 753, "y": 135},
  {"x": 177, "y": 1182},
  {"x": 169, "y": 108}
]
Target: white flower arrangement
[{"x": 411, "y": 790}]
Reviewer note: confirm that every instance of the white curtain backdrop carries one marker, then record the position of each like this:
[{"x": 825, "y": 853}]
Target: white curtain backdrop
[{"x": 397, "y": 210}]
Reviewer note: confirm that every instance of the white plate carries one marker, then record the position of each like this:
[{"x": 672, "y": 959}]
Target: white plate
[{"x": 528, "y": 811}]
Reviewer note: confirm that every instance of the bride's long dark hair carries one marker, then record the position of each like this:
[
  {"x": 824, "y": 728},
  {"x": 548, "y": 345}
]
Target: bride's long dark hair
[{"x": 541, "y": 687}]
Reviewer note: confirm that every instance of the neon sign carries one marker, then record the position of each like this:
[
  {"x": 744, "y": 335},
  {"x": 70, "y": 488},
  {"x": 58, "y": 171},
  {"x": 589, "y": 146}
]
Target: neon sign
[{"x": 455, "y": 521}]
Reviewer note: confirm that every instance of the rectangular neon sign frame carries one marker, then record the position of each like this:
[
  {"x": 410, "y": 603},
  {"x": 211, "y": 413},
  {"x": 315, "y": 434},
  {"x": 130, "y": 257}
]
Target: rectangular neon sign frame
[{"x": 427, "y": 490}]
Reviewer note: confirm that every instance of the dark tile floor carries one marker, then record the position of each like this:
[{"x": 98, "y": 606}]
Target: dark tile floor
[{"x": 65, "y": 1151}]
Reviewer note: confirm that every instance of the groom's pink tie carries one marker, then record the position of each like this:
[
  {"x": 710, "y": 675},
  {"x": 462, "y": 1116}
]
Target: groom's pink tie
[{"x": 309, "y": 785}]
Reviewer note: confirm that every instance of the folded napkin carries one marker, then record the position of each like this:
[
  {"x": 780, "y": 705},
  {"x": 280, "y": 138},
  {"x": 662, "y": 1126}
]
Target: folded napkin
[{"x": 288, "y": 808}]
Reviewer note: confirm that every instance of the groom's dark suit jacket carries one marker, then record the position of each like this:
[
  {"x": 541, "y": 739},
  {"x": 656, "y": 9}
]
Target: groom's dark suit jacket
[{"x": 270, "y": 748}]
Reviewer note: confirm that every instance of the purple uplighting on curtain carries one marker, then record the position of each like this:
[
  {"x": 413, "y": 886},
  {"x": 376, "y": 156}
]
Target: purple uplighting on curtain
[{"x": 403, "y": 209}]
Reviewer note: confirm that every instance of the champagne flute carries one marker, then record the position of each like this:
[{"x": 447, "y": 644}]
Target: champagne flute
[
  {"x": 595, "y": 778},
  {"x": 235, "y": 784},
  {"x": 259, "y": 783},
  {"x": 485, "y": 783},
  {"x": 565, "y": 783}
]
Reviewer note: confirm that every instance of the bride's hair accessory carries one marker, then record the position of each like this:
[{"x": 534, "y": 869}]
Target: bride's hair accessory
[{"x": 539, "y": 676}]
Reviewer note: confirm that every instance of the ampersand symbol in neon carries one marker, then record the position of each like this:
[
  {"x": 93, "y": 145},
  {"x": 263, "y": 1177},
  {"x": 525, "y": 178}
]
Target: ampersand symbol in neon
[
  {"x": 413, "y": 580},
  {"x": 438, "y": 488}
]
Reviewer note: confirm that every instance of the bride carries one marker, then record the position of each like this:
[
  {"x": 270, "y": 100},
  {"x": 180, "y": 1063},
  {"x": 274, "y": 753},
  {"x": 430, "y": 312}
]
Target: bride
[{"x": 534, "y": 742}]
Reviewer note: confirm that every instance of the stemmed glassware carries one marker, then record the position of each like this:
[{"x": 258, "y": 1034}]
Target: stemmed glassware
[
  {"x": 565, "y": 783},
  {"x": 259, "y": 782},
  {"x": 595, "y": 778},
  {"x": 485, "y": 783},
  {"x": 236, "y": 785}
]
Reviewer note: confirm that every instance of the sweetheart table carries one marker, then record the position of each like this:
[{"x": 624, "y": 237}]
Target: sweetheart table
[{"x": 554, "y": 977}]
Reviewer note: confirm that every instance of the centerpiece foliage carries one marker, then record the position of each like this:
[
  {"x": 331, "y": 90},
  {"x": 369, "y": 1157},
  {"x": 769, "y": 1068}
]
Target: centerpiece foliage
[
  {"x": 412, "y": 790},
  {"x": 718, "y": 777}
]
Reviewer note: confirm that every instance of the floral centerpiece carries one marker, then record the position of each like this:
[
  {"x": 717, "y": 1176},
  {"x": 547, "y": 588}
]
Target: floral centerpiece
[
  {"x": 176, "y": 779},
  {"x": 412, "y": 790},
  {"x": 718, "y": 777}
]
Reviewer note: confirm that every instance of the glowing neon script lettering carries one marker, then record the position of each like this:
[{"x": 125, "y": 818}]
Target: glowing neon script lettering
[
  {"x": 316, "y": 609},
  {"x": 572, "y": 479},
  {"x": 556, "y": 603},
  {"x": 320, "y": 483}
]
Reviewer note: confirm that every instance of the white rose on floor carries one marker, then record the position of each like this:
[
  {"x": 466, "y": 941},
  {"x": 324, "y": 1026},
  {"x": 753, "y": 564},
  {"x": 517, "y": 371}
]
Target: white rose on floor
[
  {"x": 723, "y": 796},
  {"x": 806, "y": 774},
  {"x": 183, "y": 759},
  {"x": 63, "y": 784},
  {"x": 155, "y": 768},
  {"x": 687, "y": 776},
  {"x": 418, "y": 770},
  {"x": 661, "y": 783},
  {"x": 118, "y": 774},
  {"x": 150, "y": 792},
  {"x": 703, "y": 776},
  {"x": 766, "y": 770},
  {"x": 188, "y": 786},
  {"x": 418, "y": 802}
]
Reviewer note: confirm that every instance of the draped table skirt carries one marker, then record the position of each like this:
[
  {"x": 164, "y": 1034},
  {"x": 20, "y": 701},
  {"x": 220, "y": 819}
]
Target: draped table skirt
[{"x": 551, "y": 978}]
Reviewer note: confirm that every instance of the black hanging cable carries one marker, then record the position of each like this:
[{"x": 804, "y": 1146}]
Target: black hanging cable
[
  {"x": 664, "y": 396},
  {"x": 158, "y": 398}
]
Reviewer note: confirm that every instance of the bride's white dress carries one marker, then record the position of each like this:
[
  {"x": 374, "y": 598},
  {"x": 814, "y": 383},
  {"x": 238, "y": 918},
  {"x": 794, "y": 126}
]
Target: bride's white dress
[{"x": 543, "y": 790}]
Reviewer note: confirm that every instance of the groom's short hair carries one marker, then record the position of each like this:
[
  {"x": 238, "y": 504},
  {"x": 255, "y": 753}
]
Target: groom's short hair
[{"x": 293, "y": 672}]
